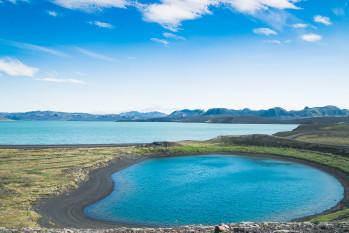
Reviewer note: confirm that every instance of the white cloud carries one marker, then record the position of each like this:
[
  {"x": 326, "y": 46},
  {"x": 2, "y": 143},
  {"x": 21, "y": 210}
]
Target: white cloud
[
  {"x": 91, "y": 5},
  {"x": 273, "y": 42},
  {"x": 58, "y": 80},
  {"x": 52, "y": 13},
  {"x": 311, "y": 37},
  {"x": 252, "y": 6},
  {"x": 265, "y": 31},
  {"x": 323, "y": 20},
  {"x": 95, "y": 55},
  {"x": 300, "y": 25},
  {"x": 33, "y": 47},
  {"x": 171, "y": 13},
  {"x": 173, "y": 36},
  {"x": 14, "y": 67},
  {"x": 160, "y": 41},
  {"x": 101, "y": 24},
  {"x": 277, "y": 19}
]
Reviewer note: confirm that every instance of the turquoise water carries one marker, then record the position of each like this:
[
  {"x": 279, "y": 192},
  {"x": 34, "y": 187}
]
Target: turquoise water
[
  {"x": 74, "y": 132},
  {"x": 212, "y": 189}
]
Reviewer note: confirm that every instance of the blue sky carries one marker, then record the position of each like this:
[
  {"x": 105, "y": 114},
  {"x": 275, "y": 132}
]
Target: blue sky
[{"x": 104, "y": 56}]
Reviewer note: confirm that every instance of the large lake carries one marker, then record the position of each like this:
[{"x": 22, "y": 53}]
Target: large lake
[
  {"x": 212, "y": 189},
  {"x": 75, "y": 132}
]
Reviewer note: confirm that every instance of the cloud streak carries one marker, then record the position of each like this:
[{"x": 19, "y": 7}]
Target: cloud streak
[
  {"x": 311, "y": 37},
  {"x": 300, "y": 25},
  {"x": 14, "y": 1},
  {"x": 265, "y": 31},
  {"x": 95, "y": 55},
  {"x": 91, "y": 5},
  {"x": 33, "y": 47},
  {"x": 172, "y": 36},
  {"x": 101, "y": 24},
  {"x": 14, "y": 67},
  {"x": 160, "y": 41},
  {"x": 52, "y": 13},
  {"x": 58, "y": 80}
]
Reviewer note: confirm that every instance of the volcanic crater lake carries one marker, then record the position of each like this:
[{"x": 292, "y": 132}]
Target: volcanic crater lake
[
  {"x": 82, "y": 132},
  {"x": 210, "y": 189}
]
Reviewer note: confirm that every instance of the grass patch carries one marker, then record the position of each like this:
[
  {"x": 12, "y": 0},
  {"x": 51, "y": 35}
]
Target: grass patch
[
  {"x": 27, "y": 175},
  {"x": 340, "y": 140},
  {"x": 330, "y": 134},
  {"x": 342, "y": 215}
]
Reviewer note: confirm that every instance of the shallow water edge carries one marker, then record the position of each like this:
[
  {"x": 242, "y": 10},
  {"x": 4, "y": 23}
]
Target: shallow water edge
[
  {"x": 67, "y": 210},
  {"x": 215, "y": 188}
]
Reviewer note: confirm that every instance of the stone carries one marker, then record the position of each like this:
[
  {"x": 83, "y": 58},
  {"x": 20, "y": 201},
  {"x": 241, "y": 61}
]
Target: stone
[{"x": 221, "y": 228}]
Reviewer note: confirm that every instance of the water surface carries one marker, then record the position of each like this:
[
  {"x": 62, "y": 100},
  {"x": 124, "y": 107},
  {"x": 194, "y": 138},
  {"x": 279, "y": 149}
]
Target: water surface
[
  {"x": 212, "y": 189},
  {"x": 75, "y": 132}
]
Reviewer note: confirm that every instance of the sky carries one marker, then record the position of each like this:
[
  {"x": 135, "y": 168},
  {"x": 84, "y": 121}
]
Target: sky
[{"x": 110, "y": 56}]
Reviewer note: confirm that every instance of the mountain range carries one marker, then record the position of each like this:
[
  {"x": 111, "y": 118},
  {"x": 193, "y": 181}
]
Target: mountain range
[
  {"x": 213, "y": 115},
  {"x": 64, "y": 116}
]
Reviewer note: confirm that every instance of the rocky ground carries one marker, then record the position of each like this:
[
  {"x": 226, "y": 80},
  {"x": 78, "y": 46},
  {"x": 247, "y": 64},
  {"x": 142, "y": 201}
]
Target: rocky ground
[{"x": 304, "y": 227}]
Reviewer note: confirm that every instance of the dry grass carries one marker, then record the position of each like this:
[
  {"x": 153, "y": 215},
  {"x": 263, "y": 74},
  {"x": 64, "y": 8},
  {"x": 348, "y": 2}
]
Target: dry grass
[{"x": 27, "y": 175}]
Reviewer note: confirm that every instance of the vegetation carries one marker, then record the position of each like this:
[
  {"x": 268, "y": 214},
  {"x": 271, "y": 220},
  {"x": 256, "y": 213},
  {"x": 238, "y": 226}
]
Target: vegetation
[
  {"x": 28, "y": 175},
  {"x": 331, "y": 134},
  {"x": 342, "y": 215},
  {"x": 336, "y": 161}
]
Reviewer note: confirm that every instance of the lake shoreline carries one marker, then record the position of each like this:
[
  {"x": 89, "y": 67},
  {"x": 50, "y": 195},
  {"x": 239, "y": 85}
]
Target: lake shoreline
[{"x": 66, "y": 210}]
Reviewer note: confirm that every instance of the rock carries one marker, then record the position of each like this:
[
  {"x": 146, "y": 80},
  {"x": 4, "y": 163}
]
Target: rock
[
  {"x": 221, "y": 228},
  {"x": 324, "y": 226},
  {"x": 68, "y": 231}
]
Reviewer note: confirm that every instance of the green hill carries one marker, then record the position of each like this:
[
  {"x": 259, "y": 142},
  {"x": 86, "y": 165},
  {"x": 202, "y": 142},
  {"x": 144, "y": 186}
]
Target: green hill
[{"x": 331, "y": 134}]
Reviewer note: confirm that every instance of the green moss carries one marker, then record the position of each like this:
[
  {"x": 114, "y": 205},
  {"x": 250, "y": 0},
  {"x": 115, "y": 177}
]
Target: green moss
[{"x": 342, "y": 215}]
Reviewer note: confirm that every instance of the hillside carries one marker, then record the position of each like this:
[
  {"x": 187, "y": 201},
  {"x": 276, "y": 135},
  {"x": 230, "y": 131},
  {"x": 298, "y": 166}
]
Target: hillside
[{"x": 331, "y": 134}]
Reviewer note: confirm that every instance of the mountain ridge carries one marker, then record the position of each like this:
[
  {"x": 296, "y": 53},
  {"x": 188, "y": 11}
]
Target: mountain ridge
[
  {"x": 212, "y": 115},
  {"x": 65, "y": 116}
]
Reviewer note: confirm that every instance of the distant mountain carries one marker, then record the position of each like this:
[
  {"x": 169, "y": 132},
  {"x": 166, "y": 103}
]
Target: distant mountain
[
  {"x": 134, "y": 115},
  {"x": 185, "y": 113},
  {"x": 3, "y": 119},
  {"x": 63, "y": 116},
  {"x": 272, "y": 115},
  {"x": 213, "y": 115}
]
